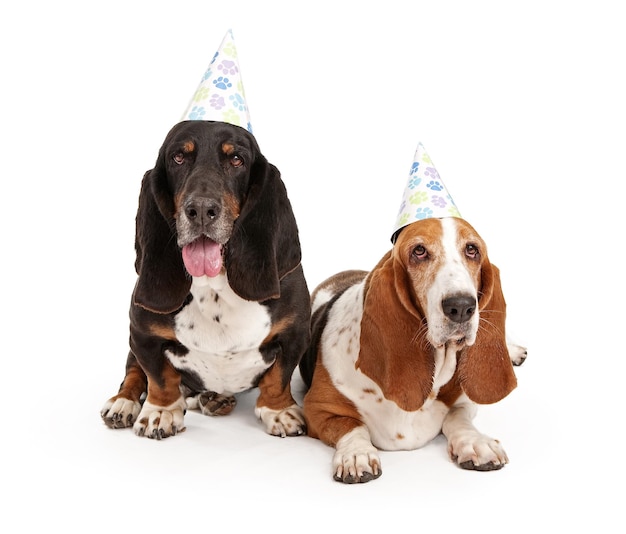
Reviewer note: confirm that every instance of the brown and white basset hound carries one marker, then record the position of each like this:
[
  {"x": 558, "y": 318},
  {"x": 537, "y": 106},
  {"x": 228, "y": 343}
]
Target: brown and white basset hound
[
  {"x": 221, "y": 304},
  {"x": 406, "y": 351}
]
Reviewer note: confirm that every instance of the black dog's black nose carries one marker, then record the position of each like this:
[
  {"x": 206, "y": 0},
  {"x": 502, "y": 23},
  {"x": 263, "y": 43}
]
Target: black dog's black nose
[
  {"x": 459, "y": 309},
  {"x": 202, "y": 210}
]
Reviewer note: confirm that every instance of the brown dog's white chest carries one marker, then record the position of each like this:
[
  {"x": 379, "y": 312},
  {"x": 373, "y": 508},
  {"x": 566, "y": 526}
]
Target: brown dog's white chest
[{"x": 223, "y": 334}]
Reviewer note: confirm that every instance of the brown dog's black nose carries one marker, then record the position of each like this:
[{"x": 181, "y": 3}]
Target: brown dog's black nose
[
  {"x": 459, "y": 309},
  {"x": 202, "y": 210}
]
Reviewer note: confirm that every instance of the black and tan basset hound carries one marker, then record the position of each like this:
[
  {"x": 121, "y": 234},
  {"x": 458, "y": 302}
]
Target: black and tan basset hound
[
  {"x": 407, "y": 351},
  {"x": 221, "y": 304}
]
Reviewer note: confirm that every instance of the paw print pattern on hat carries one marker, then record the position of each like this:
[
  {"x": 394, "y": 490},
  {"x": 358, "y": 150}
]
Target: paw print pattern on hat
[
  {"x": 425, "y": 195},
  {"x": 220, "y": 95}
]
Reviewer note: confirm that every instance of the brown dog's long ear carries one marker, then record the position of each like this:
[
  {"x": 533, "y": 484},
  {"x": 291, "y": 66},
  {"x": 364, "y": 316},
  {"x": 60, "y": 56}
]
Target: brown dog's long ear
[
  {"x": 162, "y": 282},
  {"x": 393, "y": 351},
  {"x": 485, "y": 369},
  {"x": 264, "y": 245}
]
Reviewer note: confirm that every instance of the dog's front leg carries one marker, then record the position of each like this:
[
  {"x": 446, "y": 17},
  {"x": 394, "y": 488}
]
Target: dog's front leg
[
  {"x": 467, "y": 447},
  {"x": 275, "y": 406},
  {"x": 121, "y": 410},
  {"x": 162, "y": 413},
  {"x": 356, "y": 459},
  {"x": 333, "y": 419}
]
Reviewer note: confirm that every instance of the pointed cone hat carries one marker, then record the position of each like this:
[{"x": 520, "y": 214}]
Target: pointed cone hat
[
  {"x": 425, "y": 195},
  {"x": 220, "y": 95}
]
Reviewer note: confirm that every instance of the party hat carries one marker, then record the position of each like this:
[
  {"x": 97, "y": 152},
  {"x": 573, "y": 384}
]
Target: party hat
[
  {"x": 220, "y": 95},
  {"x": 425, "y": 195}
]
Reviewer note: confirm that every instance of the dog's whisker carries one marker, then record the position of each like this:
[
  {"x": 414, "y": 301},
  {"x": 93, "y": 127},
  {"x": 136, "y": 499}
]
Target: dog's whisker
[{"x": 420, "y": 338}]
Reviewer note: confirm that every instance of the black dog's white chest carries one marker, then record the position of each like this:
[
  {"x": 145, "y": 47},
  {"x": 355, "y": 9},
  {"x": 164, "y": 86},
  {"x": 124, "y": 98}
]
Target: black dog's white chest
[{"x": 223, "y": 333}]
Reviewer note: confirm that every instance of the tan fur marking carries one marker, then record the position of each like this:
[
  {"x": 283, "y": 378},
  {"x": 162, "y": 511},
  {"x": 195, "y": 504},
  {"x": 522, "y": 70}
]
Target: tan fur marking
[
  {"x": 178, "y": 200},
  {"x": 278, "y": 327},
  {"x": 232, "y": 205},
  {"x": 271, "y": 392},
  {"x": 134, "y": 385},
  {"x": 166, "y": 391},
  {"x": 189, "y": 147},
  {"x": 228, "y": 148},
  {"x": 164, "y": 331}
]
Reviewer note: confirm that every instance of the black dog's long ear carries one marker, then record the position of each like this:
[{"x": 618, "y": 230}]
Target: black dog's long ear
[
  {"x": 265, "y": 245},
  {"x": 162, "y": 282}
]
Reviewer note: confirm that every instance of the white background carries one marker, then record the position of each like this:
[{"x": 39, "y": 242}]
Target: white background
[{"x": 521, "y": 106}]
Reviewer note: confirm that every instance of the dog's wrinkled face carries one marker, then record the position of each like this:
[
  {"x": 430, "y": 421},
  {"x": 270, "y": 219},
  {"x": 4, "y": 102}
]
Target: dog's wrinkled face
[
  {"x": 207, "y": 166},
  {"x": 443, "y": 259}
]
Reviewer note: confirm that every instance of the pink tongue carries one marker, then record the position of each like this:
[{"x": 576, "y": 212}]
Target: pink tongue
[{"x": 203, "y": 256}]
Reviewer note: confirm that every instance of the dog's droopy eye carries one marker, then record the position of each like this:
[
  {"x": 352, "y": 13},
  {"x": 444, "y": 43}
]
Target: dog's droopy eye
[
  {"x": 179, "y": 158},
  {"x": 236, "y": 161},
  {"x": 419, "y": 253},
  {"x": 471, "y": 251}
]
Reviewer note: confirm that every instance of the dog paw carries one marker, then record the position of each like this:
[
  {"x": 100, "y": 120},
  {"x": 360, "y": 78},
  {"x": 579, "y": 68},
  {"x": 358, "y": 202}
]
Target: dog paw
[
  {"x": 158, "y": 422},
  {"x": 287, "y": 422},
  {"x": 481, "y": 454},
  {"x": 357, "y": 468},
  {"x": 518, "y": 354},
  {"x": 120, "y": 412},
  {"x": 211, "y": 403},
  {"x": 356, "y": 460}
]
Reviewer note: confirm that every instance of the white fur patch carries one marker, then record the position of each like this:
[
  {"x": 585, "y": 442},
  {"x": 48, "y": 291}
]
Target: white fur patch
[
  {"x": 322, "y": 296},
  {"x": 453, "y": 278},
  {"x": 223, "y": 333}
]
